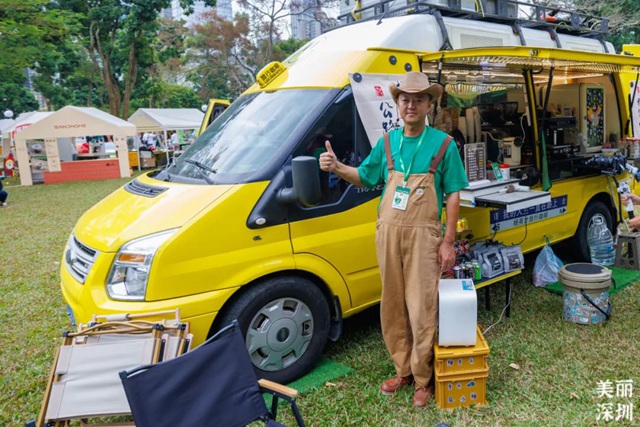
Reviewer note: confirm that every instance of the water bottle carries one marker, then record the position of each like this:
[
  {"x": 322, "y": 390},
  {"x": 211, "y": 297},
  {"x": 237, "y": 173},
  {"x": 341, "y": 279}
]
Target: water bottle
[{"x": 600, "y": 243}]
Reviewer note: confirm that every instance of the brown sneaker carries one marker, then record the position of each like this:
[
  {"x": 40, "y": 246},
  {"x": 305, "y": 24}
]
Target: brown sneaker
[
  {"x": 421, "y": 396},
  {"x": 394, "y": 384}
]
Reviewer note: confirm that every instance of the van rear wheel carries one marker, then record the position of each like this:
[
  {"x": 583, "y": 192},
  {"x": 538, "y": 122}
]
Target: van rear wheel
[
  {"x": 285, "y": 325},
  {"x": 580, "y": 241}
]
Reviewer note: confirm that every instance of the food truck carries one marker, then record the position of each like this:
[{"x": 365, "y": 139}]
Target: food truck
[{"x": 240, "y": 226}]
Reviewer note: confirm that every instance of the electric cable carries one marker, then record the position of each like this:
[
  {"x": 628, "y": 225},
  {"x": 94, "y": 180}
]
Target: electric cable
[
  {"x": 525, "y": 232},
  {"x": 501, "y": 314},
  {"x": 495, "y": 231}
]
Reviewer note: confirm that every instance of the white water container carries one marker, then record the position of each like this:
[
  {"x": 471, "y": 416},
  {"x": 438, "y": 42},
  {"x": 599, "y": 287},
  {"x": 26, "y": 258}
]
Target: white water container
[
  {"x": 600, "y": 241},
  {"x": 458, "y": 313}
]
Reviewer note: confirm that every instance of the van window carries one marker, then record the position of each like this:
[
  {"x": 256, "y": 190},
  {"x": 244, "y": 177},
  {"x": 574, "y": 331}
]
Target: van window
[
  {"x": 338, "y": 126},
  {"x": 250, "y": 137}
]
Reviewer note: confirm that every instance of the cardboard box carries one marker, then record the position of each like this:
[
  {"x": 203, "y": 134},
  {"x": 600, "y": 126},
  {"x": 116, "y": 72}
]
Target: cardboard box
[{"x": 147, "y": 163}]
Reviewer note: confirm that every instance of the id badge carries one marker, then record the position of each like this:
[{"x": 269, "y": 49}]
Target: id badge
[{"x": 401, "y": 198}]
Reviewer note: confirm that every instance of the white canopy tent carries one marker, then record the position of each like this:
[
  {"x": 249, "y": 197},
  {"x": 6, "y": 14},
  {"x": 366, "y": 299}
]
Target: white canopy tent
[
  {"x": 166, "y": 119},
  {"x": 23, "y": 121},
  {"x": 71, "y": 122},
  {"x": 9, "y": 128},
  {"x": 6, "y": 123}
]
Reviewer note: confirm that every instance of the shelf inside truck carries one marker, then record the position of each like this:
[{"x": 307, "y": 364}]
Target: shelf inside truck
[
  {"x": 487, "y": 194},
  {"x": 514, "y": 201}
]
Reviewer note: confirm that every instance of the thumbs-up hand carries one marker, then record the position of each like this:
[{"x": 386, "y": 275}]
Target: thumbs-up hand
[{"x": 328, "y": 159}]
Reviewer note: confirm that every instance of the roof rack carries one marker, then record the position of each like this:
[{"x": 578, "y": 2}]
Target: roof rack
[{"x": 549, "y": 18}]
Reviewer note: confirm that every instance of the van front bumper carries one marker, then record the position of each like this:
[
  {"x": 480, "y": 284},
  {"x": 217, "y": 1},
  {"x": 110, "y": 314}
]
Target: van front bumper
[{"x": 91, "y": 298}]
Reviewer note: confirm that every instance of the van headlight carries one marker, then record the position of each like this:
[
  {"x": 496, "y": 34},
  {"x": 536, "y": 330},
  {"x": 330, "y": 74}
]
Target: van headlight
[{"x": 129, "y": 273}]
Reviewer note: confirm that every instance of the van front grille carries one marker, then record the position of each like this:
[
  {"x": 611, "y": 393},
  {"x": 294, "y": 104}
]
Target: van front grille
[
  {"x": 146, "y": 190},
  {"x": 79, "y": 259}
]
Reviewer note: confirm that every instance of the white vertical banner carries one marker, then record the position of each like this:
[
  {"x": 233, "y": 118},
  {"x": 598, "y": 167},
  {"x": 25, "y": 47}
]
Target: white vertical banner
[
  {"x": 53, "y": 155},
  {"x": 123, "y": 155},
  {"x": 375, "y": 104},
  {"x": 635, "y": 108}
]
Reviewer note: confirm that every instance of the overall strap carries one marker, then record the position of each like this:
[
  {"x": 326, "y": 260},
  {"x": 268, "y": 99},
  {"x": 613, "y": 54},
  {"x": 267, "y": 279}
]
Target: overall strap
[
  {"x": 387, "y": 151},
  {"x": 438, "y": 157}
]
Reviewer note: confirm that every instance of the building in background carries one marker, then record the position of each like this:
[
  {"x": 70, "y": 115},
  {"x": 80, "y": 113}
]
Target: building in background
[
  {"x": 28, "y": 83},
  {"x": 308, "y": 20},
  {"x": 223, "y": 9}
]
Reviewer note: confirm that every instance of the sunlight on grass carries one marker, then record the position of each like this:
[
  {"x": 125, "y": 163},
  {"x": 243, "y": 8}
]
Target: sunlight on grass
[{"x": 560, "y": 363}]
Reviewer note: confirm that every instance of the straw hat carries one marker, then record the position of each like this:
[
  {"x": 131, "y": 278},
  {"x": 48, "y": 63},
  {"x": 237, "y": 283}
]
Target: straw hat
[{"x": 415, "y": 82}]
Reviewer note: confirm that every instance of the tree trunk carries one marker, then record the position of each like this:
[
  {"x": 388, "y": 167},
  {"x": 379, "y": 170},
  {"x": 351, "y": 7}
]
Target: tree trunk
[
  {"x": 130, "y": 77},
  {"x": 104, "y": 68}
]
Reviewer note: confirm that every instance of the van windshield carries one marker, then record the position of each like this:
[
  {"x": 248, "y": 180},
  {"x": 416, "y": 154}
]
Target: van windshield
[{"x": 251, "y": 138}]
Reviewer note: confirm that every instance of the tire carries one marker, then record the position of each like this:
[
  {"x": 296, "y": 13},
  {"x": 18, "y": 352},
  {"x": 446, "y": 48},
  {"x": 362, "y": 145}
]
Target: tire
[
  {"x": 580, "y": 240},
  {"x": 285, "y": 324}
]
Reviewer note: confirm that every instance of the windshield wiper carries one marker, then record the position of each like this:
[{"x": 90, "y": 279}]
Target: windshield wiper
[{"x": 202, "y": 167}]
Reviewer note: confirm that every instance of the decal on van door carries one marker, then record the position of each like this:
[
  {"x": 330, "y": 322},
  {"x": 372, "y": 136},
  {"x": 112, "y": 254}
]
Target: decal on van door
[{"x": 502, "y": 220}]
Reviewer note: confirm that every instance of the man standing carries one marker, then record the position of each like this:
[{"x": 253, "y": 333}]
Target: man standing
[
  {"x": 418, "y": 165},
  {"x": 3, "y": 194}
]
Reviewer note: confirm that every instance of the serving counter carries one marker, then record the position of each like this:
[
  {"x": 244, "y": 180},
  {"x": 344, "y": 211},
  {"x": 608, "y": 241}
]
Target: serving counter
[{"x": 85, "y": 170}]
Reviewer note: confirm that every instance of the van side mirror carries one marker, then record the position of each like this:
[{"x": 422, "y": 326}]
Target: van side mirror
[{"x": 306, "y": 183}]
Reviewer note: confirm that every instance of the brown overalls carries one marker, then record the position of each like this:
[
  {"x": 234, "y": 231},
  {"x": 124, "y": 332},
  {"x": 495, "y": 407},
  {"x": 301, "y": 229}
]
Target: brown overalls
[{"x": 407, "y": 244}]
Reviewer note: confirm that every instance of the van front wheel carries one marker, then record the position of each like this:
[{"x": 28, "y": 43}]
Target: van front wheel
[{"x": 285, "y": 324}]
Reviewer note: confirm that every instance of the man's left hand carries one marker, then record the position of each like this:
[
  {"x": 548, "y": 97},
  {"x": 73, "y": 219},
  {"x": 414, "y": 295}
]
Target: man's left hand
[{"x": 446, "y": 256}]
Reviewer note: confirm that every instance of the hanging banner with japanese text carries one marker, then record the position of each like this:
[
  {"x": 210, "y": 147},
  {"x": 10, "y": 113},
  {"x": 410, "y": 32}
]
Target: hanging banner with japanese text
[{"x": 375, "y": 105}]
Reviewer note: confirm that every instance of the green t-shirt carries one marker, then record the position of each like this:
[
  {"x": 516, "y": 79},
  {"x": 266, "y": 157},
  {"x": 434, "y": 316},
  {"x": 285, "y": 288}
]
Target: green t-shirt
[{"x": 373, "y": 170}]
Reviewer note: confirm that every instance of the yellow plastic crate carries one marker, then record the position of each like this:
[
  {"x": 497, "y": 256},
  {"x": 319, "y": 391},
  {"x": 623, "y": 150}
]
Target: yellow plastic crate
[
  {"x": 454, "y": 391},
  {"x": 462, "y": 360},
  {"x": 133, "y": 159}
]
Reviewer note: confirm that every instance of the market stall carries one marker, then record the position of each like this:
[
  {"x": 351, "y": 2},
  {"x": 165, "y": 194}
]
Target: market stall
[
  {"x": 65, "y": 124},
  {"x": 5, "y": 148},
  {"x": 9, "y": 129},
  {"x": 164, "y": 120}
]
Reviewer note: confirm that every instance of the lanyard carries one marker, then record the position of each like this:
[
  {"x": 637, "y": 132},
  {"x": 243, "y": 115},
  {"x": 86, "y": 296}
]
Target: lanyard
[{"x": 413, "y": 156}]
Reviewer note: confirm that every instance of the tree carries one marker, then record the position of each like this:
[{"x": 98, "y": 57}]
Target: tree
[
  {"x": 623, "y": 15},
  {"x": 178, "y": 96},
  {"x": 222, "y": 56},
  {"x": 119, "y": 35},
  {"x": 16, "y": 98},
  {"x": 282, "y": 49},
  {"x": 31, "y": 32},
  {"x": 267, "y": 18}
]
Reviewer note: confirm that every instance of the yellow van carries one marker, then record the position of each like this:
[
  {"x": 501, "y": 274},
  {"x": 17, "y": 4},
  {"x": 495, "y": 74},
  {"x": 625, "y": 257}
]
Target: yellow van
[
  {"x": 215, "y": 107},
  {"x": 243, "y": 225}
]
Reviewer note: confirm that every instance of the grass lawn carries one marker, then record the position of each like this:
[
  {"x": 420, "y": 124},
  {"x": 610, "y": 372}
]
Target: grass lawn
[{"x": 554, "y": 383}]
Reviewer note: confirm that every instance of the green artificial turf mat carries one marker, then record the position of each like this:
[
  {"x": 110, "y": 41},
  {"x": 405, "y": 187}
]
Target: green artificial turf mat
[{"x": 325, "y": 371}]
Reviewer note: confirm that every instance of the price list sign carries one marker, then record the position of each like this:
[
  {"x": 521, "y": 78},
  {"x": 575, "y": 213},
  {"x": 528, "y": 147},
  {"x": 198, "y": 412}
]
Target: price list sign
[{"x": 475, "y": 159}]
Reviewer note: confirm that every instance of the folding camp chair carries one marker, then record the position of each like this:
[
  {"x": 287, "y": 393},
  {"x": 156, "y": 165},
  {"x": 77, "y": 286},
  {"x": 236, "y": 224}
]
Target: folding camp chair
[
  {"x": 84, "y": 381},
  {"x": 213, "y": 384}
]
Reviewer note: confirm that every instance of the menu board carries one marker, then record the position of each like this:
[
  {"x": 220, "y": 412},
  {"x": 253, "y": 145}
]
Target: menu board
[{"x": 475, "y": 160}]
